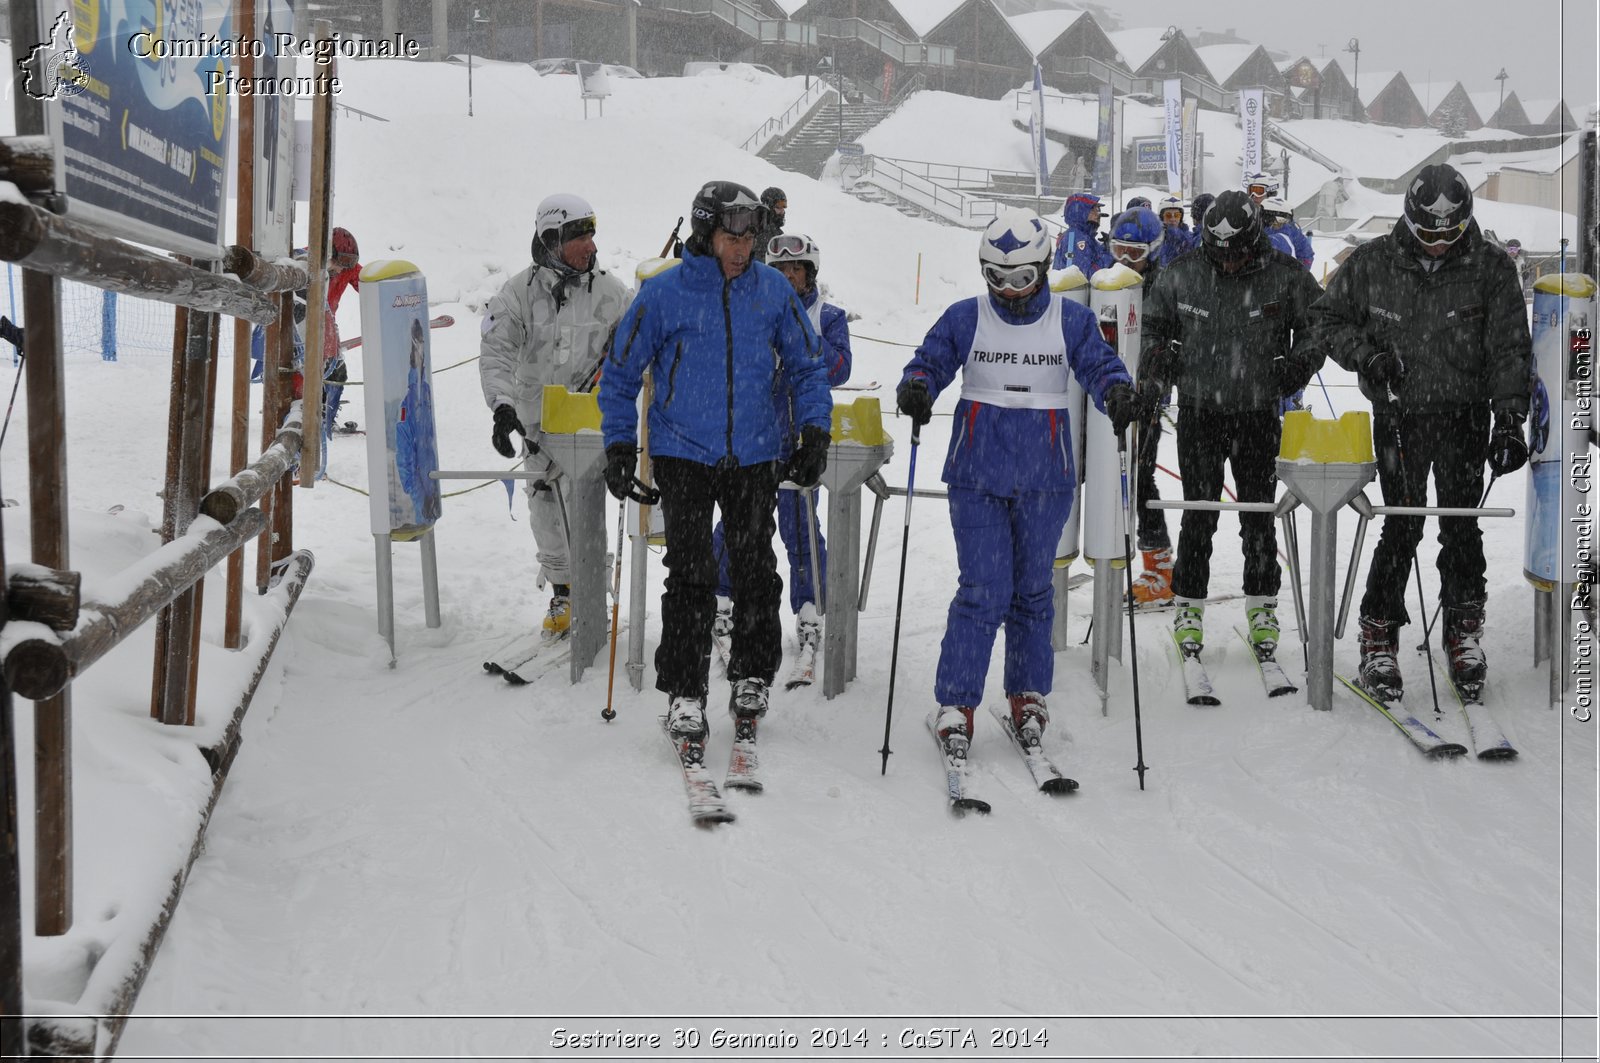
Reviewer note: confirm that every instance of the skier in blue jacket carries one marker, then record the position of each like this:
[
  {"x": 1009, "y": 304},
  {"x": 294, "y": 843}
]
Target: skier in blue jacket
[
  {"x": 1280, "y": 220},
  {"x": 1080, "y": 245},
  {"x": 1009, "y": 468},
  {"x": 1176, "y": 236},
  {"x": 798, "y": 258},
  {"x": 716, "y": 332}
]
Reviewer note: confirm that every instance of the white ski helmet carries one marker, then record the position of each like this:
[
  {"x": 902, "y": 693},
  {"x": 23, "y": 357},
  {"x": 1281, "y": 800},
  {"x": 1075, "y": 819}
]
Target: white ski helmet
[
  {"x": 795, "y": 247},
  {"x": 562, "y": 217},
  {"x": 1273, "y": 207},
  {"x": 1016, "y": 238}
]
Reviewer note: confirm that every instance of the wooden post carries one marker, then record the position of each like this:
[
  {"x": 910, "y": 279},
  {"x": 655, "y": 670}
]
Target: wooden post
[
  {"x": 12, "y": 1034},
  {"x": 317, "y": 262},
  {"x": 274, "y": 360},
  {"x": 47, "y": 495},
  {"x": 203, "y": 487},
  {"x": 244, "y": 235}
]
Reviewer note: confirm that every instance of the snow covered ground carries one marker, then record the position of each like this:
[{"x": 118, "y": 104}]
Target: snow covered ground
[{"x": 430, "y": 842}]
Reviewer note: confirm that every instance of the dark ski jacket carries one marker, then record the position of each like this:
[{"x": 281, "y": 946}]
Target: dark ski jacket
[
  {"x": 1461, "y": 330},
  {"x": 1231, "y": 327},
  {"x": 715, "y": 349}
]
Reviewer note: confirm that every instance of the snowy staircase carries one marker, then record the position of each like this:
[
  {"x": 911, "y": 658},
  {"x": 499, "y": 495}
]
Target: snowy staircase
[{"x": 808, "y": 148}]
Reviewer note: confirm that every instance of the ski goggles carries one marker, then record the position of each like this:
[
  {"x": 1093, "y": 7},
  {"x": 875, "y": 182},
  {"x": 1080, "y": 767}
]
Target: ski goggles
[
  {"x": 740, "y": 221},
  {"x": 785, "y": 245},
  {"x": 1259, "y": 190},
  {"x": 1011, "y": 278},
  {"x": 1437, "y": 237},
  {"x": 1129, "y": 251},
  {"x": 576, "y": 229}
]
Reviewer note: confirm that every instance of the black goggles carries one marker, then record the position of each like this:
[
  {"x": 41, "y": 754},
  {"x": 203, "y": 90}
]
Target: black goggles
[
  {"x": 1011, "y": 278},
  {"x": 740, "y": 221},
  {"x": 577, "y": 229},
  {"x": 1436, "y": 237}
]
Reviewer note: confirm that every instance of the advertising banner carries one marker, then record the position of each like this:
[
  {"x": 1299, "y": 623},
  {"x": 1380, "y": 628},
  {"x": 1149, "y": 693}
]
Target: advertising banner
[
  {"x": 1104, "y": 149},
  {"x": 1251, "y": 123},
  {"x": 1172, "y": 94},
  {"x": 1041, "y": 162},
  {"x": 397, "y": 374},
  {"x": 275, "y": 132},
  {"x": 140, "y": 116},
  {"x": 1191, "y": 153}
]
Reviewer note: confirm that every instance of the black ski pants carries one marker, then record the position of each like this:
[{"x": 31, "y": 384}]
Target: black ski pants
[
  {"x": 746, "y": 495},
  {"x": 1207, "y": 439},
  {"x": 1153, "y": 533},
  {"x": 1454, "y": 444}
]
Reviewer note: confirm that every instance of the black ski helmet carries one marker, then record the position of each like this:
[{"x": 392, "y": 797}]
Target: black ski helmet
[
  {"x": 725, "y": 205},
  {"x": 1438, "y": 205},
  {"x": 1232, "y": 227},
  {"x": 776, "y": 201},
  {"x": 1201, "y": 204}
]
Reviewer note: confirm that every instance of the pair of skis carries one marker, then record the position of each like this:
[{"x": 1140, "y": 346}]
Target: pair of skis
[
  {"x": 526, "y": 656},
  {"x": 1470, "y": 728},
  {"x": 1197, "y": 686},
  {"x": 707, "y": 806},
  {"x": 801, "y": 674},
  {"x": 958, "y": 775}
]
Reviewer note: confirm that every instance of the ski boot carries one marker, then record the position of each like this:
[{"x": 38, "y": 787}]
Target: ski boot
[
  {"x": 749, "y": 697},
  {"x": 1380, "y": 670},
  {"x": 722, "y": 623},
  {"x": 1262, "y": 615},
  {"x": 687, "y": 719},
  {"x": 1029, "y": 716},
  {"x": 1155, "y": 582},
  {"x": 1188, "y": 626},
  {"x": 808, "y": 628},
  {"x": 955, "y": 730},
  {"x": 1463, "y": 642},
  {"x": 558, "y": 618}
]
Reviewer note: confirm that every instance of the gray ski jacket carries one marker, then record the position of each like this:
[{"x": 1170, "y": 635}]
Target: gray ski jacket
[
  {"x": 546, "y": 327},
  {"x": 1461, "y": 330}
]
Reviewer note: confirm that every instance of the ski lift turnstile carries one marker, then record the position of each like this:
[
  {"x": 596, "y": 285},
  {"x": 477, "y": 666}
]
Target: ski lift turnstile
[
  {"x": 570, "y": 424},
  {"x": 1325, "y": 464},
  {"x": 860, "y": 447}
]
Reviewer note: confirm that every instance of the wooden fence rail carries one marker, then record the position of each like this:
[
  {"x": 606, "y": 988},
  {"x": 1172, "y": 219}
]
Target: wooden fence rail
[
  {"x": 40, "y": 667},
  {"x": 227, "y": 500}
]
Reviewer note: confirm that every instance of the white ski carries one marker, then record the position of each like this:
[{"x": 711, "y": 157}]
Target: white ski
[
  {"x": 706, "y": 806},
  {"x": 804, "y": 671},
  {"x": 1045, "y": 774},
  {"x": 1196, "y": 683},
  {"x": 1424, "y": 737},
  {"x": 743, "y": 766},
  {"x": 1273, "y": 677},
  {"x": 957, "y": 778}
]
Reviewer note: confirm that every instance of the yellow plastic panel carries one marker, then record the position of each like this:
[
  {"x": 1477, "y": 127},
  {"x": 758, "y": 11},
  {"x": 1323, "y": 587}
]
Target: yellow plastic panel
[
  {"x": 1308, "y": 438},
  {"x": 387, "y": 269},
  {"x": 860, "y": 421},
  {"x": 1576, "y": 285},
  {"x": 1114, "y": 278},
  {"x": 1070, "y": 280},
  {"x": 566, "y": 412},
  {"x": 651, "y": 267}
]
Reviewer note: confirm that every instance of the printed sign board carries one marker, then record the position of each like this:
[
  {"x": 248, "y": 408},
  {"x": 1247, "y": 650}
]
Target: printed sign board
[{"x": 397, "y": 377}]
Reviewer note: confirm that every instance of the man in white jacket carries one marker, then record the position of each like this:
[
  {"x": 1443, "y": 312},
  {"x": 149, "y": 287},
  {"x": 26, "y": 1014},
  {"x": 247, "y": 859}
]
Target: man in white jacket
[{"x": 550, "y": 324}]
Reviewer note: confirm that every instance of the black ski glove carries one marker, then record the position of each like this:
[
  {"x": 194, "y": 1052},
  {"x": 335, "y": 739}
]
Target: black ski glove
[
  {"x": 621, "y": 459},
  {"x": 1508, "y": 450},
  {"x": 10, "y": 332},
  {"x": 1162, "y": 361},
  {"x": 1152, "y": 393},
  {"x": 1123, "y": 406},
  {"x": 914, "y": 401},
  {"x": 1382, "y": 368},
  {"x": 1288, "y": 376},
  {"x": 506, "y": 422},
  {"x": 810, "y": 458}
]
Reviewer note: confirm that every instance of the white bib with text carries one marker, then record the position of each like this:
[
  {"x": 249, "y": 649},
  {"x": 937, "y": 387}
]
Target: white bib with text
[{"x": 1020, "y": 366}]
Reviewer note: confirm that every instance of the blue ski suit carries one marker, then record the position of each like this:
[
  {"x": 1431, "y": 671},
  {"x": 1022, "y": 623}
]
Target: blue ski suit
[
  {"x": 1302, "y": 242},
  {"x": 1175, "y": 240},
  {"x": 1011, "y": 485},
  {"x": 836, "y": 356},
  {"x": 1080, "y": 245}
]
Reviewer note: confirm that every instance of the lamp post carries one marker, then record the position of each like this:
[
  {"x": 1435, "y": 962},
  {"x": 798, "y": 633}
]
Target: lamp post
[
  {"x": 1501, "y": 77},
  {"x": 472, "y": 40},
  {"x": 1354, "y": 48}
]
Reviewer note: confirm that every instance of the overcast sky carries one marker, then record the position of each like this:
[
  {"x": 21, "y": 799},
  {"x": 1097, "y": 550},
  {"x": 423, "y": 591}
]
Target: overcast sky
[{"x": 1439, "y": 40}]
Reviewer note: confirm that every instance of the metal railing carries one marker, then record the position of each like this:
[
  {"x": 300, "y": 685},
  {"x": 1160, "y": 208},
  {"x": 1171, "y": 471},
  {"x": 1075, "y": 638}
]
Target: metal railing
[
  {"x": 949, "y": 173},
  {"x": 796, "y": 112},
  {"x": 949, "y": 203},
  {"x": 748, "y": 21},
  {"x": 903, "y": 51}
]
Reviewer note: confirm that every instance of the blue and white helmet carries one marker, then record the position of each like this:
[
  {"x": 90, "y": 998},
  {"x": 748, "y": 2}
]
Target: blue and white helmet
[
  {"x": 1171, "y": 203},
  {"x": 1016, "y": 236}
]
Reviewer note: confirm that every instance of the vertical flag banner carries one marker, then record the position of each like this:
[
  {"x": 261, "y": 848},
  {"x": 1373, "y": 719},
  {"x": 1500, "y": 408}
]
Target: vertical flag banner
[
  {"x": 1251, "y": 124},
  {"x": 1172, "y": 94},
  {"x": 1041, "y": 162},
  {"x": 1191, "y": 155},
  {"x": 275, "y": 130},
  {"x": 1103, "y": 145}
]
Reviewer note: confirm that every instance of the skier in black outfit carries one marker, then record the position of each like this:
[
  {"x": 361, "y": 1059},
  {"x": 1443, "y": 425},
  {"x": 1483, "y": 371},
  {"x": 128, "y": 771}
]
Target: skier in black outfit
[
  {"x": 777, "y": 208},
  {"x": 1431, "y": 318},
  {"x": 1219, "y": 325}
]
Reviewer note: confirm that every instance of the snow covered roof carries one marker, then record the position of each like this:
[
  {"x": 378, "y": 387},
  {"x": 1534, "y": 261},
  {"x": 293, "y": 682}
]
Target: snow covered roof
[
  {"x": 1432, "y": 93},
  {"x": 1223, "y": 59},
  {"x": 1137, "y": 46},
  {"x": 1487, "y": 103},
  {"x": 1374, "y": 82},
  {"x": 924, "y": 15},
  {"x": 1542, "y": 110},
  {"x": 1038, "y": 30},
  {"x": 790, "y": 6}
]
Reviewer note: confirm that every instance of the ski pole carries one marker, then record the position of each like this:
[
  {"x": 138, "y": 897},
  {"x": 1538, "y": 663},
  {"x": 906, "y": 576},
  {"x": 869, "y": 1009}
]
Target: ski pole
[
  {"x": 900, "y": 595},
  {"x": 1427, "y": 629},
  {"x": 1133, "y": 631},
  {"x": 22, "y": 360},
  {"x": 1405, "y": 491},
  {"x": 608, "y": 713}
]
